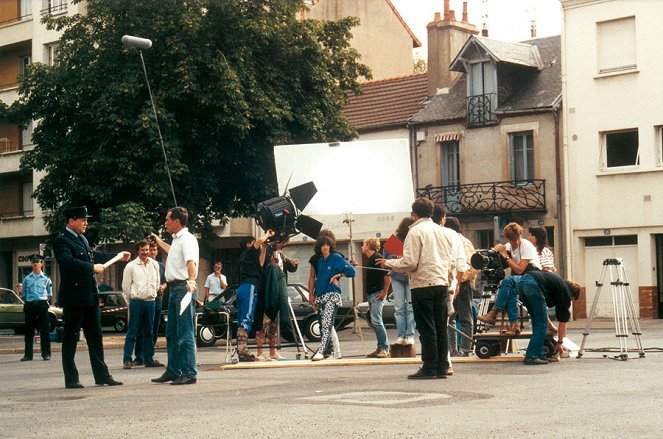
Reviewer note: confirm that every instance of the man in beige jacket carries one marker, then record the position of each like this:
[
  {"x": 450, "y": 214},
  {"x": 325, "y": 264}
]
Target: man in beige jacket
[{"x": 428, "y": 258}]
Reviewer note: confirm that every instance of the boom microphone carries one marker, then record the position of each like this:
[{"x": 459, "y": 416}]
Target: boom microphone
[{"x": 138, "y": 43}]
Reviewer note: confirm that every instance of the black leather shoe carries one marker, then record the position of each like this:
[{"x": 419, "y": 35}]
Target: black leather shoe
[
  {"x": 109, "y": 382},
  {"x": 75, "y": 385},
  {"x": 164, "y": 378},
  {"x": 422, "y": 375},
  {"x": 46, "y": 357},
  {"x": 442, "y": 375},
  {"x": 26, "y": 359},
  {"x": 183, "y": 380}
]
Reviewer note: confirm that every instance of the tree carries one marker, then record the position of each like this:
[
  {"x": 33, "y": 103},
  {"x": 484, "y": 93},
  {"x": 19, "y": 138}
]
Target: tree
[{"x": 231, "y": 78}]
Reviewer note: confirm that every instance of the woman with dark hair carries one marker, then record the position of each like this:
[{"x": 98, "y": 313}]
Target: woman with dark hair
[
  {"x": 400, "y": 285},
  {"x": 331, "y": 267},
  {"x": 539, "y": 237},
  {"x": 335, "y": 349}
]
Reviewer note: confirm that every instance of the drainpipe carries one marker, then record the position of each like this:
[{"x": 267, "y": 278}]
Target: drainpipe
[
  {"x": 413, "y": 156},
  {"x": 568, "y": 226}
]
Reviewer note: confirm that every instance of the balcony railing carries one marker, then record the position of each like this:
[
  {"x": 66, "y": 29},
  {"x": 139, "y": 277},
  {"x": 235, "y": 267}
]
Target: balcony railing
[
  {"x": 481, "y": 109},
  {"x": 495, "y": 198},
  {"x": 54, "y": 7}
]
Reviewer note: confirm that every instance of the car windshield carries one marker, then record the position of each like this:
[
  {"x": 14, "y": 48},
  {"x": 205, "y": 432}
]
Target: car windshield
[{"x": 8, "y": 297}]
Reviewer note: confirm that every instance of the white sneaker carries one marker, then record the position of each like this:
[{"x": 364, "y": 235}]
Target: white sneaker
[
  {"x": 409, "y": 340},
  {"x": 400, "y": 340},
  {"x": 317, "y": 357}
]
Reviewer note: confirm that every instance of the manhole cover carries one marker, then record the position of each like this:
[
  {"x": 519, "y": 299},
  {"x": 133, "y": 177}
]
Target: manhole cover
[{"x": 380, "y": 398}]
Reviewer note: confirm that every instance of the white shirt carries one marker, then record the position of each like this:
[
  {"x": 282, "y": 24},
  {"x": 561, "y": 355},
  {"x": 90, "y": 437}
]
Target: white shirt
[
  {"x": 212, "y": 282},
  {"x": 427, "y": 254},
  {"x": 141, "y": 280},
  {"x": 183, "y": 249},
  {"x": 525, "y": 250}
]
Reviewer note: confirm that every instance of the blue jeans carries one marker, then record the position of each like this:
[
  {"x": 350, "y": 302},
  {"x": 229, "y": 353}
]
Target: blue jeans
[
  {"x": 463, "y": 306},
  {"x": 403, "y": 308},
  {"x": 507, "y": 297},
  {"x": 181, "y": 344},
  {"x": 141, "y": 321},
  {"x": 155, "y": 330},
  {"x": 532, "y": 297},
  {"x": 375, "y": 306}
]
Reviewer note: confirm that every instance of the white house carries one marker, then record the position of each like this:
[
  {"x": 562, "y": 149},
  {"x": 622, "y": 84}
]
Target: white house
[{"x": 613, "y": 137}]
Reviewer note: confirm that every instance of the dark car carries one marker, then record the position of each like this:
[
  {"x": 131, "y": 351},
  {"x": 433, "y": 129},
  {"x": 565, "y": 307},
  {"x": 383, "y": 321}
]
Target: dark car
[
  {"x": 388, "y": 317},
  {"x": 114, "y": 310},
  {"x": 13, "y": 317},
  {"x": 212, "y": 317}
]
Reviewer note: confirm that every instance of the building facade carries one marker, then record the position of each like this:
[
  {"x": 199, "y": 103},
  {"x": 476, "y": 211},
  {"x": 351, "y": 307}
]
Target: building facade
[
  {"x": 488, "y": 141},
  {"x": 383, "y": 39},
  {"x": 613, "y": 138},
  {"x": 23, "y": 40}
]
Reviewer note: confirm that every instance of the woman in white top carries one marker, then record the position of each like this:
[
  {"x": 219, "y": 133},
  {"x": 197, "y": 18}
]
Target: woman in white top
[{"x": 539, "y": 237}]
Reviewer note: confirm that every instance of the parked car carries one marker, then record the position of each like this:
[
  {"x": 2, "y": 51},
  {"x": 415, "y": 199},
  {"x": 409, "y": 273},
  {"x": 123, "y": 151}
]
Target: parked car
[
  {"x": 114, "y": 310},
  {"x": 388, "y": 317},
  {"x": 12, "y": 316},
  {"x": 212, "y": 320}
]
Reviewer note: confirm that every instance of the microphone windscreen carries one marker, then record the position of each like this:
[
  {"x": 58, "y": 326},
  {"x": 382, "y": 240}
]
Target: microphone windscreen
[{"x": 138, "y": 43}]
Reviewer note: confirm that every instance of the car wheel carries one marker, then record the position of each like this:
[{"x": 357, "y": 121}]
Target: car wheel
[
  {"x": 312, "y": 329},
  {"x": 120, "y": 324},
  {"x": 52, "y": 320},
  {"x": 206, "y": 336}
]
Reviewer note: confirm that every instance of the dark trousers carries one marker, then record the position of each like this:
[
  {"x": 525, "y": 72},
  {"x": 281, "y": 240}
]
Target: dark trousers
[
  {"x": 155, "y": 330},
  {"x": 88, "y": 318},
  {"x": 36, "y": 317},
  {"x": 430, "y": 314}
]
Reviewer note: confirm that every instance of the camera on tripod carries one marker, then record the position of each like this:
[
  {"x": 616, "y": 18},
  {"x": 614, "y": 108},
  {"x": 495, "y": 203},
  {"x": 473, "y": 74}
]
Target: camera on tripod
[{"x": 491, "y": 264}]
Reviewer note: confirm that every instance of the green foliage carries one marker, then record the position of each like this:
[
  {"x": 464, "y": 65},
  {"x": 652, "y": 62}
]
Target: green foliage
[{"x": 231, "y": 78}]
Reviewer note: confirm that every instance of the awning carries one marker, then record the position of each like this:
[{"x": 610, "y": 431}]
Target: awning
[{"x": 447, "y": 137}]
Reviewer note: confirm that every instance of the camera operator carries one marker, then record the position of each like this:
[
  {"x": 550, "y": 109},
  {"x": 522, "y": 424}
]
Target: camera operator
[
  {"x": 521, "y": 257},
  {"x": 537, "y": 291}
]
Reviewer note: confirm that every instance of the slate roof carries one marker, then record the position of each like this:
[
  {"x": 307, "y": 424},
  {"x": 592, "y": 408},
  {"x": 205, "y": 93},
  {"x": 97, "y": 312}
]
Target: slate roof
[
  {"x": 387, "y": 102},
  {"x": 522, "y": 54},
  {"x": 540, "y": 90}
]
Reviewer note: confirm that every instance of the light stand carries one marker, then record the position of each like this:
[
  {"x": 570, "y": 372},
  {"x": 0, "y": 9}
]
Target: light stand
[{"x": 356, "y": 327}]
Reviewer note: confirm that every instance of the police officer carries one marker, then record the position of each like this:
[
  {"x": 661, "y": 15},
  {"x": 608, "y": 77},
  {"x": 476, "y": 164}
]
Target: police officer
[
  {"x": 37, "y": 292},
  {"x": 78, "y": 296}
]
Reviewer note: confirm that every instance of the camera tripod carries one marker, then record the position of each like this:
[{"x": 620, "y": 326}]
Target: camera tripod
[{"x": 622, "y": 305}]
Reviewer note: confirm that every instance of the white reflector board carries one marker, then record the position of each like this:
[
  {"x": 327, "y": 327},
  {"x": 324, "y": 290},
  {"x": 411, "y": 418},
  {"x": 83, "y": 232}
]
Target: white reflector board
[{"x": 362, "y": 177}]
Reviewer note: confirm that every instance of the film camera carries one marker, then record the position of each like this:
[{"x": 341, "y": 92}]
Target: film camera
[
  {"x": 491, "y": 264},
  {"x": 283, "y": 214}
]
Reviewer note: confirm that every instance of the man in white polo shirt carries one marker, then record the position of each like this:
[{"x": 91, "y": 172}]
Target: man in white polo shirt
[
  {"x": 181, "y": 274},
  {"x": 215, "y": 284}
]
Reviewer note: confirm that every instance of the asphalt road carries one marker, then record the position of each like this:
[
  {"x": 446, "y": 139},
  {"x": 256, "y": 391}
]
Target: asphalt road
[{"x": 588, "y": 397}]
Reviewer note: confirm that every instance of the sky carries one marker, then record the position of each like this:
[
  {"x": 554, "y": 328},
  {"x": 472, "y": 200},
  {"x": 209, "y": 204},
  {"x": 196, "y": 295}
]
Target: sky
[{"x": 508, "y": 20}]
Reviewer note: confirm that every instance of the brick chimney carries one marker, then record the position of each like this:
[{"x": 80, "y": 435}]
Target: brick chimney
[{"x": 445, "y": 39}]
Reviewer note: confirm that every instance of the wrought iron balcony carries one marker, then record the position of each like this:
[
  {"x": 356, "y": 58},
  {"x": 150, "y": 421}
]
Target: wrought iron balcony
[
  {"x": 480, "y": 109},
  {"x": 53, "y": 7},
  {"x": 495, "y": 198}
]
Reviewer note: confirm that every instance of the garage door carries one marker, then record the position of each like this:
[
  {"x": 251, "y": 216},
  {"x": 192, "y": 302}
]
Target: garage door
[{"x": 622, "y": 247}]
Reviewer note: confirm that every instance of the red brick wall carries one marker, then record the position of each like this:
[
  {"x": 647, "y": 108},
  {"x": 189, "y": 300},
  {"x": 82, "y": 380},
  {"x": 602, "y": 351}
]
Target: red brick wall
[
  {"x": 580, "y": 305},
  {"x": 648, "y": 302}
]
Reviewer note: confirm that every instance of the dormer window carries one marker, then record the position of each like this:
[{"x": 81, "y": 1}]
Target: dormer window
[{"x": 481, "y": 92}]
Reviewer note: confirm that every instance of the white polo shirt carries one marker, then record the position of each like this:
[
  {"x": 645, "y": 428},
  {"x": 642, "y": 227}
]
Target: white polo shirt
[{"x": 183, "y": 249}]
